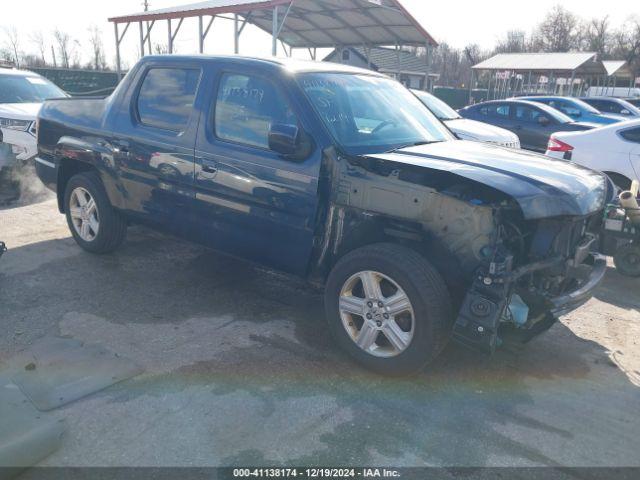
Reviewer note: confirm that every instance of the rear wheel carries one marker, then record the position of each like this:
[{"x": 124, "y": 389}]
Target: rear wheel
[
  {"x": 627, "y": 260},
  {"x": 95, "y": 225},
  {"x": 388, "y": 308}
]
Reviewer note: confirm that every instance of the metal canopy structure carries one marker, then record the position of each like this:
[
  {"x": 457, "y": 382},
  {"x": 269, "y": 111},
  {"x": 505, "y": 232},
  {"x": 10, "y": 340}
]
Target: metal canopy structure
[
  {"x": 308, "y": 24},
  {"x": 580, "y": 63},
  {"x": 618, "y": 68},
  {"x": 539, "y": 73}
]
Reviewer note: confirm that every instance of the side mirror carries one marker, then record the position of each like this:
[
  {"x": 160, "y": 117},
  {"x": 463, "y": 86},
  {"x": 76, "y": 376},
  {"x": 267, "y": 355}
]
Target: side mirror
[
  {"x": 625, "y": 112},
  {"x": 283, "y": 138},
  {"x": 544, "y": 121}
]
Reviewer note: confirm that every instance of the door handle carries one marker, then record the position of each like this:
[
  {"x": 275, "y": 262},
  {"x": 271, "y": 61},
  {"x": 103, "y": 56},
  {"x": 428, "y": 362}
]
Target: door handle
[
  {"x": 121, "y": 146},
  {"x": 208, "y": 168}
]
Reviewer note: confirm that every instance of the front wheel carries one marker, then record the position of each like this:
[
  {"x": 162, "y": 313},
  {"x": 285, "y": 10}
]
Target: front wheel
[
  {"x": 95, "y": 225},
  {"x": 388, "y": 308}
]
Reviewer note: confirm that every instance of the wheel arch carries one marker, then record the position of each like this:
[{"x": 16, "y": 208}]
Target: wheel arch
[
  {"x": 352, "y": 230},
  {"x": 619, "y": 179},
  {"x": 67, "y": 169}
]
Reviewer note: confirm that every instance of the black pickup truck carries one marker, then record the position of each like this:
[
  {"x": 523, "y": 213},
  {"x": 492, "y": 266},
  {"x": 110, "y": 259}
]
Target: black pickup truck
[{"x": 340, "y": 176}]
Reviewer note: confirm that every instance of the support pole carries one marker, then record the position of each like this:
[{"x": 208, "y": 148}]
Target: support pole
[
  {"x": 236, "y": 34},
  {"x": 149, "y": 27},
  {"x": 170, "y": 37},
  {"x": 276, "y": 25},
  {"x": 427, "y": 59},
  {"x": 141, "y": 41},
  {"x": 399, "y": 62},
  {"x": 200, "y": 35},
  {"x": 118, "y": 61},
  {"x": 573, "y": 77},
  {"x": 471, "y": 87}
]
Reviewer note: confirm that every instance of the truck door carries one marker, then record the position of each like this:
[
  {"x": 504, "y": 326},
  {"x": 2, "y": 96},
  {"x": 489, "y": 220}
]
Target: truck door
[
  {"x": 153, "y": 142},
  {"x": 251, "y": 201}
]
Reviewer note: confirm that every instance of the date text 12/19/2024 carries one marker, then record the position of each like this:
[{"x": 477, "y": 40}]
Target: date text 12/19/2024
[{"x": 310, "y": 473}]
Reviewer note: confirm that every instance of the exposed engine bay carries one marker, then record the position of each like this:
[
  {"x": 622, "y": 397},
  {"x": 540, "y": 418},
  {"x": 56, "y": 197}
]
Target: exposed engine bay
[{"x": 519, "y": 272}]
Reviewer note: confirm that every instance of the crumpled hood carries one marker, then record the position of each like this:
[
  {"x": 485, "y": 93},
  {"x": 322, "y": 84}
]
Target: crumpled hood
[
  {"x": 20, "y": 111},
  {"x": 480, "y": 131},
  {"x": 542, "y": 186}
]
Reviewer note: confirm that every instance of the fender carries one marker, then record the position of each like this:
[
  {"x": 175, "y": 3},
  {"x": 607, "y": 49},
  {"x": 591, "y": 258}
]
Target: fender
[{"x": 73, "y": 155}]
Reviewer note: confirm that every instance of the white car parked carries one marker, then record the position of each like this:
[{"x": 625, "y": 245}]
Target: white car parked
[
  {"x": 464, "y": 128},
  {"x": 21, "y": 96},
  {"x": 614, "y": 150}
]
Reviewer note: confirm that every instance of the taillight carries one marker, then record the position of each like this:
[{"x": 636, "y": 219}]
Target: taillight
[{"x": 556, "y": 145}]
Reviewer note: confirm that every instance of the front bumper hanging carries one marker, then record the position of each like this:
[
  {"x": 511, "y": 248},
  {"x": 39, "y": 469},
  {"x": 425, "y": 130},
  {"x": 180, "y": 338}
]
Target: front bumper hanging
[{"x": 486, "y": 303}]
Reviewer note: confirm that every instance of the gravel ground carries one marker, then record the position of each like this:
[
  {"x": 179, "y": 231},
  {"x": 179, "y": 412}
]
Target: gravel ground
[{"x": 240, "y": 369}]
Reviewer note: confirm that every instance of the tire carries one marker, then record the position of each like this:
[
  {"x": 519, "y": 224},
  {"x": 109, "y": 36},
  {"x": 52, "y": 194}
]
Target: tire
[
  {"x": 112, "y": 228},
  {"x": 430, "y": 316},
  {"x": 627, "y": 260}
]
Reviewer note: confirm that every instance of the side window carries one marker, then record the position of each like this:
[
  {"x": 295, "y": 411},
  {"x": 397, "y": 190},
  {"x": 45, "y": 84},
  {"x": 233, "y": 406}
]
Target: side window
[
  {"x": 502, "y": 111},
  {"x": 632, "y": 135},
  {"x": 600, "y": 105},
  {"x": 166, "y": 97},
  {"x": 568, "y": 109},
  {"x": 246, "y": 109},
  {"x": 612, "y": 107},
  {"x": 527, "y": 114},
  {"x": 496, "y": 111}
]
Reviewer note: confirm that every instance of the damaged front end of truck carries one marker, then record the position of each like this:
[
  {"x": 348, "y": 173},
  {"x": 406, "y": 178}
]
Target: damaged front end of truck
[
  {"x": 514, "y": 235},
  {"x": 551, "y": 270}
]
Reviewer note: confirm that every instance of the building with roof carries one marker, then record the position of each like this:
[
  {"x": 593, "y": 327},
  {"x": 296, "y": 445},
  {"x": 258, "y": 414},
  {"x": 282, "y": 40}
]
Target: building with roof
[
  {"x": 620, "y": 81},
  {"x": 296, "y": 24},
  {"x": 403, "y": 65},
  {"x": 541, "y": 73}
]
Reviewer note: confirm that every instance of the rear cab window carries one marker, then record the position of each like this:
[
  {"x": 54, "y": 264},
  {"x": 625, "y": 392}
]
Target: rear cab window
[{"x": 166, "y": 97}]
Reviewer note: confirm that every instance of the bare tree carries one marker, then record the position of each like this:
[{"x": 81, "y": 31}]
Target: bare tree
[
  {"x": 97, "y": 48},
  {"x": 514, "y": 42},
  {"x": 559, "y": 32},
  {"x": 37, "y": 38},
  {"x": 5, "y": 56},
  {"x": 63, "y": 41},
  {"x": 13, "y": 43},
  {"x": 627, "y": 43},
  {"x": 596, "y": 36},
  {"x": 162, "y": 49}
]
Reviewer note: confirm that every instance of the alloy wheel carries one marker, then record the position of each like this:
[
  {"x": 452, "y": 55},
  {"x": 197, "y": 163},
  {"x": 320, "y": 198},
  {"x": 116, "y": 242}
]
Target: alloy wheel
[
  {"x": 377, "y": 314},
  {"x": 84, "y": 214}
]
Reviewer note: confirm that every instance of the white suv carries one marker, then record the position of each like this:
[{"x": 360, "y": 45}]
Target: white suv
[{"x": 21, "y": 96}]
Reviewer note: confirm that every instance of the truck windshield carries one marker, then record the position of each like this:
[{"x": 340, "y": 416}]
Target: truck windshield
[
  {"x": 369, "y": 114},
  {"x": 27, "y": 89}
]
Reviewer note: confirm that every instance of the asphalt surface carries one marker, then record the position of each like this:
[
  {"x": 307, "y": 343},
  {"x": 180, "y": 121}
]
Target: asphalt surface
[{"x": 240, "y": 368}]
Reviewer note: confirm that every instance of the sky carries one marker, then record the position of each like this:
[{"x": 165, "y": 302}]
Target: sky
[{"x": 456, "y": 22}]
